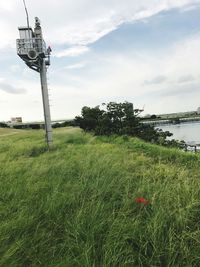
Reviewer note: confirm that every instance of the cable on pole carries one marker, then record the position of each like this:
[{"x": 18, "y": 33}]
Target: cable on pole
[{"x": 27, "y": 18}]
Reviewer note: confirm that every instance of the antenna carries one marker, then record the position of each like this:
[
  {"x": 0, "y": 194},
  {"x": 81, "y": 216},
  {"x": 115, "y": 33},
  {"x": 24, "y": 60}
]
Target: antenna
[{"x": 27, "y": 17}]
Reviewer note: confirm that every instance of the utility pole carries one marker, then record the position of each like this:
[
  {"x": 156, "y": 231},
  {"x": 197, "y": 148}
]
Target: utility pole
[
  {"x": 31, "y": 48},
  {"x": 45, "y": 99}
]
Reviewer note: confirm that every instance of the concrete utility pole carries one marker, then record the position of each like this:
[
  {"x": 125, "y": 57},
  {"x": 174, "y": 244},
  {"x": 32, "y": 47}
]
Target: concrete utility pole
[{"x": 31, "y": 48}]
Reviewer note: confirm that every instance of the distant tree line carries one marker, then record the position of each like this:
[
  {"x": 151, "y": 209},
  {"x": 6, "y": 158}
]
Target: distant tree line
[
  {"x": 121, "y": 119},
  {"x": 35, "y": 126},
  {"x": 3, "y": 125},
  {"x": 64, "y": 124}
]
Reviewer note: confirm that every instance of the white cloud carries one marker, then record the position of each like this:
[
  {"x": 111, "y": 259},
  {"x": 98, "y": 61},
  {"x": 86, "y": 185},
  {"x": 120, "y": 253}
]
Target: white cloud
[
  {"x": 72, "y": 52},
  {"x": 156, "y": 80},
  {"x": 79, "y": 65},
  {"x": 121, "y": 77},
  {"x": 15, "y": 68},
  {"x": 96, "y": 19},
  {"x": 184, "y": 60},
  {"x": 79, "y": 22},
  {"x": 8, "y": 88},
  {"x": 189, "y": 8},
  {"x": 6, "y": 5},
  {"x": 186, "y": 78}
]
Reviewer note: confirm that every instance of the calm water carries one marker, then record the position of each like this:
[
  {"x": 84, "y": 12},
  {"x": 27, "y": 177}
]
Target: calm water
[{"x": 189, "y": 132}]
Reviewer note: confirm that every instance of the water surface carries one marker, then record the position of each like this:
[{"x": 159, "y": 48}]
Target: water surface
[{"x": 189, "y": 132}]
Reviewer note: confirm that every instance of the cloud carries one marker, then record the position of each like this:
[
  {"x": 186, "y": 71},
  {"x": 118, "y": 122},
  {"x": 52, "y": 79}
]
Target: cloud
[
  {"x": 11, "y": 89},
  {"x": 71, "y": 27},
  {"x": 79, "y": 65},
  {"x": 189, "y": 8},
  {"x": 72, "y": 52},
  {"x": 15, "y": 68},
  {"x": 177, "y": 91},
  {"x": 80, "y": 22},
  {"x": 6, "y": 5},
  {"x": 124, "y": 74},
  {"x": 186, "y": 78},
  {"x": 97, "y": 19},
  {"x": 156, "y": 80}
]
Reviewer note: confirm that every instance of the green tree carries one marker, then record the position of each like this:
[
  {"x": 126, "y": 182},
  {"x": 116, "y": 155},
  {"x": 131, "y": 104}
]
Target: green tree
[
  {"x": 119, "y": 119},
  {"x": 3, "y": 125},
  {"x": 90, "y": 118}
]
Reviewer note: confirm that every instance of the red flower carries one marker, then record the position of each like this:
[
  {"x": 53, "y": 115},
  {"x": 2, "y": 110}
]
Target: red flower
[{"x": 142, "y": 200}]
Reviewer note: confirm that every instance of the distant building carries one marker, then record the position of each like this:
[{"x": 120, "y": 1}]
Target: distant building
[
  {"x": 198, "y": 110},
  {"x": 16, "y": 120}
]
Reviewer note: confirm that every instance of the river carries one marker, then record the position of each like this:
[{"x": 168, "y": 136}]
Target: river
[{"x": 189, "y": 132}]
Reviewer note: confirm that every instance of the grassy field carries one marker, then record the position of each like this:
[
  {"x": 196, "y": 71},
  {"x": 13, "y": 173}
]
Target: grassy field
[{"x": 76, "y": 205}]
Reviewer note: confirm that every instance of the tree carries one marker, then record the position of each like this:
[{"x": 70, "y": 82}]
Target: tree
[
  {"x": 90, "y": 118},
  {"x": 118, "y": 118},
  {"x": 153, "y": 116},
  {"x": 121, "y": 119},
  {"x": 3, "y": 125}
]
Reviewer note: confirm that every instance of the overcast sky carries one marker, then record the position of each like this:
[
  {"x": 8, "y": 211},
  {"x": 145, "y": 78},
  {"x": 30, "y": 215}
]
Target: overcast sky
[{"x": 142, "y": 51}]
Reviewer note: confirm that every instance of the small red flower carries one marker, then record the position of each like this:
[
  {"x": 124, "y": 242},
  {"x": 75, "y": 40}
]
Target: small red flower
[{"x": 142, "y": 200}]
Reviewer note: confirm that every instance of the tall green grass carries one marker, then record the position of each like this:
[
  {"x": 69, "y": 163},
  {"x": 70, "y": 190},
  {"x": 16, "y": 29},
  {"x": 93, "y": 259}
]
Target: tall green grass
[{"x": 75, "y": 205}]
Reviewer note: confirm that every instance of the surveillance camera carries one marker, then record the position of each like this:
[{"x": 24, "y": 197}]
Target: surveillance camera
[
  {"x": 37, "y": 21},
  {"x": 32, "y": 54}
]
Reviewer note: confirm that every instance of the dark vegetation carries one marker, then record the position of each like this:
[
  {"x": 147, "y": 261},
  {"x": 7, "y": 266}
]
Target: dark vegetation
[
  {"x": 63, "y": 124},
  {"x": 3, "y": 125},
  {"x": 32, "y": 126},
  {"x": 121, "y": 119}
]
